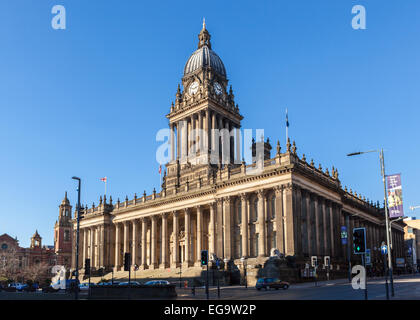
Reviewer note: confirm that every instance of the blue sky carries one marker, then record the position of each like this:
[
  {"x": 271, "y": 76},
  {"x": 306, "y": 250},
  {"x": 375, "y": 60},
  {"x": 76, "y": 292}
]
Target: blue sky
[{"x": 89, "y": 100}]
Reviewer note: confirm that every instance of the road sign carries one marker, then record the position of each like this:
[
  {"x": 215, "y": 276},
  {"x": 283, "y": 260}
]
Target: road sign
[
  {"x": 367, "y": 256},
  {"x": 384, "y": 249},
  {"x": 343, "y": 235},
  {"x": 314, "y": 261}
]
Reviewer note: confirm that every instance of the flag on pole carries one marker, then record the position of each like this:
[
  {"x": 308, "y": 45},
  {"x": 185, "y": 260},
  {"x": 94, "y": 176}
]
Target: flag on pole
[
  {"x": 104, "y": 180},
  {"x": 287, "y": 119},
  {"x": 160, "y": 169}
]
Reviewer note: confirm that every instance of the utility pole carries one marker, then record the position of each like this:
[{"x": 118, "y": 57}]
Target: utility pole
[{"x": 76, "y": 292}]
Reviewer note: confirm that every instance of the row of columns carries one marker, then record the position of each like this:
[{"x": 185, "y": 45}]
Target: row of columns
[
  {"x": 187, "y": 134},
  {"x": 305, "y": 224}
]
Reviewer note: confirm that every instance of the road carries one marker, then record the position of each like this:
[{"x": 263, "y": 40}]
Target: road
[{"x": 406, "y": 288}]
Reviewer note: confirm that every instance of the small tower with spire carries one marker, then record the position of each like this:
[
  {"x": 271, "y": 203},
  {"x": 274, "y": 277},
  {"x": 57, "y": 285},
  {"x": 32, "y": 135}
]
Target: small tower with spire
[{"x": 63, "y": 235}]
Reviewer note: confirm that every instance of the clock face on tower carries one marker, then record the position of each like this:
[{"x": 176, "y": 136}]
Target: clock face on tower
[
  {"x": 193, "y": 88},
  {"x": 217, "y": 88}
]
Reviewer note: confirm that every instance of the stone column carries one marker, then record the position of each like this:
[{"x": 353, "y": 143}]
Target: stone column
[
  {"x": 184, "y": 137},
  {"x": 187, "y": 220},
  {"x": 238, "y": 144},
  {"x": 219, "y": 227},
  {"x": 279, "y": 219},
  {"x": 135, "y": 241},
  {"x": 97, "y": 247},
  {"x": 213, "y": 133},
  {"x": 175, "y": 250},
  {"x": 244, "y": 225},
  {"x": 221, "y": 136},
  {"x": 102, "y": 244},
  {"x": 153, "y": 246},
  {"x": 199, "y": 233},
  {"x": 317, "y": 227},
  {"x": 164, "y": 246},
  {"x": 297, "y": 223},
  {"x": 289, "y": 229},
  {"x": 207, "y": 138},
  {"x": 212, "y": 244},
  {"x": 91, "y": 246},
  {"x": 199, "y": 144},
  {"x": 85, "y": 244},
  {"x": 261, "y": 224},
  {"x": 308, "y": 223},
  {"x": 117, "y": 246},
  {"x": 178, "y": 141},
  {"x": 227, "y": 228},
  {"x": 189, "y": 136},
  {"x": 172, "y": 142},
  {"x": 143, "y": 243},
  {"x": 126, "y": 236},
  {"x": 332, "y": 229},
  {"x": 325, "y": 228}
]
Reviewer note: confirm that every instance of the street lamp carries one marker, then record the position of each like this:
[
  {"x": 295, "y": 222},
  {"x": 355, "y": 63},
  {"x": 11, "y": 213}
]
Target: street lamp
[
  {"x": 243, "y": 260},
  {"x": 77, "y": 233},
  {"x": 382, "y": 163}
]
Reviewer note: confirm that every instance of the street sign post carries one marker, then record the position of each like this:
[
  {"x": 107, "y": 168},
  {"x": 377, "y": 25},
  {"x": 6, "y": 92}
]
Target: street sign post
[{"x": 368, "y": 257}]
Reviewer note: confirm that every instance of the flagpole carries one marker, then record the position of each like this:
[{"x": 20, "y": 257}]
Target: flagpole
[
  {"x": 106, "y": 180},
  {"x": 287, "y": 127}
]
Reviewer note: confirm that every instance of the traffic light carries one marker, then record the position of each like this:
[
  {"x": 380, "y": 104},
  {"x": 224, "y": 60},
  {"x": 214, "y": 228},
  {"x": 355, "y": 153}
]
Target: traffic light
[
  {"x": 87, "y": 266},
  {"x": 204, "y": 257},
  {"x": 127, "y": 261},
  {"x": 359, "y": 241}
]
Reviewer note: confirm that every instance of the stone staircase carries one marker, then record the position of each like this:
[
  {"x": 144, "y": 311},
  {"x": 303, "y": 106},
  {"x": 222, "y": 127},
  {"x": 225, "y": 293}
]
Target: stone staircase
[{"x": 170, "y": 274}]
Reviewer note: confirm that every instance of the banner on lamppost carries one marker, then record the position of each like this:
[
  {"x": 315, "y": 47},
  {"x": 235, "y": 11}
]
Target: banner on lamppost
[{"x": 395, "y": 203}]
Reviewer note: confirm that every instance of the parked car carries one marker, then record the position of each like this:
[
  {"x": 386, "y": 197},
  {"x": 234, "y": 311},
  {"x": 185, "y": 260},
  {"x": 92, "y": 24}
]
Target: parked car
[
  {"x": 268, "y": 283},
  {"x": 157, "y": 283},
  {"x": 18, "y": 286},
  {"x": 133, "y": 283},
  {"x": 31, "y": 288}
]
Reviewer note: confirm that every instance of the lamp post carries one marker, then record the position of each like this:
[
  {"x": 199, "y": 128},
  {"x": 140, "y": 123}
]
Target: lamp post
[
  {"x": 382, "y": 163},
  {"x": 77, "y": 236}
]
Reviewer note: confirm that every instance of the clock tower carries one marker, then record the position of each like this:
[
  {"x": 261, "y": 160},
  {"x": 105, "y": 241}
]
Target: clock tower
[
  {"x": 63, "y": 234},
  {"x": 204, "y": 121}
]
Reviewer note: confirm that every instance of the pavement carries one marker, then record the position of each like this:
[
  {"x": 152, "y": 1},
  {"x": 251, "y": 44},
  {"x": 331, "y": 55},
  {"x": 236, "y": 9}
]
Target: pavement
[{"x": 406, "y": 287}]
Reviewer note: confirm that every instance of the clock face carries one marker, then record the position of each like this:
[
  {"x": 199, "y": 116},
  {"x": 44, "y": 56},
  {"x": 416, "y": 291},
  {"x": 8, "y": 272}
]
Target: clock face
[
  {"x": 193, "y": 88},
  {"x": 217, "y": 88}
]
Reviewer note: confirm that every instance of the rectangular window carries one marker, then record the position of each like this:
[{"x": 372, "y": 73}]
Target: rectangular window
[{"x": 410, "y": 230}]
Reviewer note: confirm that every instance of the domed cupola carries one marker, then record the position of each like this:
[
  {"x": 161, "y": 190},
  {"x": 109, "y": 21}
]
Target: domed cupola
[{"x": 204, "y": 57}]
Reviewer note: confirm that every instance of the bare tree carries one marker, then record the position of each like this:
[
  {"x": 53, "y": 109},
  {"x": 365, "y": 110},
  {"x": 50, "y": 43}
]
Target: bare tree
[
  {"x": 37, "y": 272},
  {"x": 9, "y": 265}
]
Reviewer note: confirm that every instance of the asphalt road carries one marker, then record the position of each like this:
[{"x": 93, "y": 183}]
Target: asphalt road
[{"x": 405, "y": 288}]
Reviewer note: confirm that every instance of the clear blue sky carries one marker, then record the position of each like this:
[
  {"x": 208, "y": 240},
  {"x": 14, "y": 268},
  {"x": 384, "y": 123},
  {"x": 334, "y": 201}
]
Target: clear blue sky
[{"x": 89, "y": 100}]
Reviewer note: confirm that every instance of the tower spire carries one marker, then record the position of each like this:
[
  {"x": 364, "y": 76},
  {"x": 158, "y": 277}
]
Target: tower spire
[{"x": 204, "y": 37}]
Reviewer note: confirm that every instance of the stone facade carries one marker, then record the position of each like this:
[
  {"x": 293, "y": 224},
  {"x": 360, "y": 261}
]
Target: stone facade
[{"x": 212, "y": 200}]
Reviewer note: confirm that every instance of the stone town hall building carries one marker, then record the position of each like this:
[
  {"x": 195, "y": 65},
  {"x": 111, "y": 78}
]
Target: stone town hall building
[{"x": 209, "y": 200}]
